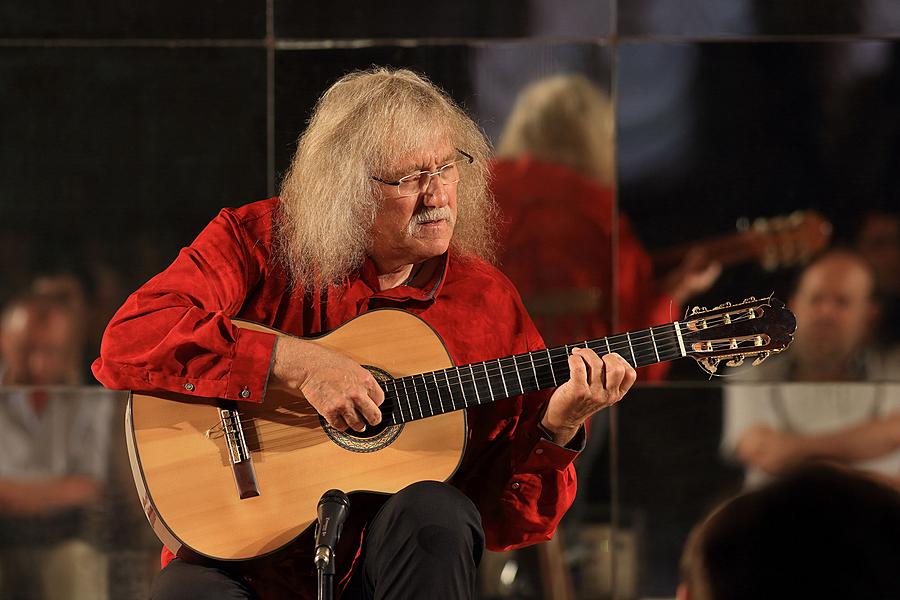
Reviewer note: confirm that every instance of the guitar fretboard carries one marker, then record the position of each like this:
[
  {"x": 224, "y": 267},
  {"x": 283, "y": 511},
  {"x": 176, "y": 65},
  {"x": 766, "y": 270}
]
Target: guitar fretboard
[{"x": 428, "y": 394}]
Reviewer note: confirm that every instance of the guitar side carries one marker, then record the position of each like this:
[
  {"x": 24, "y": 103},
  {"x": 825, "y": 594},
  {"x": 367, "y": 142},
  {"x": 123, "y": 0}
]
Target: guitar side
[{"x": 185, "y": 475}]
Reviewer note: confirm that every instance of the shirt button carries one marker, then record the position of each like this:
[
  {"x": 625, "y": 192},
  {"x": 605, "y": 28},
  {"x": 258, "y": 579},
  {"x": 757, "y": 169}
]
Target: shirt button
[
  {"x": 189, "y": 387},
  {"x": 515, "y": 485},
  {"x": 245, "y": 393},
  {"x": 539, "y": 451}
]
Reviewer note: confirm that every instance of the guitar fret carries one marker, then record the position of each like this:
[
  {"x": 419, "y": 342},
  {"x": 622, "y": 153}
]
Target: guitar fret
[
  {"x": 633, "y": 357},
  {"x": 653, "y": 339},
  {"x": 407, "y": 403},
  {"x": 488, "y": 378},
  {"x": 474, "y": 384},
  {"x": 437, "y": 390},
  {"x": 537, "y": 384},
  {"x": 516, "y": 366},
  {"x": 416, "y": 392},
  {"x": 427, "y": 395},
  {"x": 608, "y": 350},
  {"x": 400, "y": 403},
  {"x": 503, "y": 379},
  {"x": 450, "y": 389},
  {"x": 552, "y": 371},
  {"x": 462, "y": 390}
]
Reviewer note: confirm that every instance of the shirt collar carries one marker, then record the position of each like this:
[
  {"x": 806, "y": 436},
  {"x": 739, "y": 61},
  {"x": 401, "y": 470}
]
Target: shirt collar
[{"x": 428, "y": 291}]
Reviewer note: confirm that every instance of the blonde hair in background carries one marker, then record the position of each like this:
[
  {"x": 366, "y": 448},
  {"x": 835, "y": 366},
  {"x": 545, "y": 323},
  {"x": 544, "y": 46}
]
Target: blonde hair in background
[
  {"x": 364, "y": 125},
  {"x": 565, "y": 119}
]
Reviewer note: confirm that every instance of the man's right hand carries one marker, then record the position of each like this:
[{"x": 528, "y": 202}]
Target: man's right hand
[{"x": 340, "y": 390}]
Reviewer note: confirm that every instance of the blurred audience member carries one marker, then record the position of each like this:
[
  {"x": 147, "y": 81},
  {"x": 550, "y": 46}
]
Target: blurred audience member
[
  {"x": 878, "y": 240},
  {"x": 820, "y": 532},
  {"x": 53, "y": 455},
  {"x": 772, "y": 428},
  {"x": 554, "y": 181},
  {"x": 76, "y": 290}
]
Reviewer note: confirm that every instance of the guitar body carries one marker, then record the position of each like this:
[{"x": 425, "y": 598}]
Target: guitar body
[{"x": 191, "y": 489}]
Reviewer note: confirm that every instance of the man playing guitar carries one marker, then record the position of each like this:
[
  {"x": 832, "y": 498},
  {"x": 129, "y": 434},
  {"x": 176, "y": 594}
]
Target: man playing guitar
[{"x": 384, "y": 206}]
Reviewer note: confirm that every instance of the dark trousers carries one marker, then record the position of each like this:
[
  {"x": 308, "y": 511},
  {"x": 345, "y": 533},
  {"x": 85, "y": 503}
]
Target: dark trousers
[{"x": 425, "y": 542}]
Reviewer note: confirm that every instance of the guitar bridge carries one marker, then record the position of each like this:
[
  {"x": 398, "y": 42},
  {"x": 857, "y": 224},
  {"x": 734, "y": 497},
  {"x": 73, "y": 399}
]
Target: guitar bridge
[{"x": 239, "y": 453}]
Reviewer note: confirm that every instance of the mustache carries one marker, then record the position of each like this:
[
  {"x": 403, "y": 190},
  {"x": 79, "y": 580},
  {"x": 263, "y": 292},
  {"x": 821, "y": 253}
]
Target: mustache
[{"x": 430, "y": 214}]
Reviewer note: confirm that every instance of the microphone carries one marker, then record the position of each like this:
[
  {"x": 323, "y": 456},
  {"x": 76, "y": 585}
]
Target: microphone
[{"x": 333, "y": 508}]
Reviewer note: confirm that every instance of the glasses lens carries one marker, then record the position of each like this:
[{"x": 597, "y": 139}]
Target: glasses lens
[
  {"x": 449, "y": 174},
  {"x": 411, "y": 186}
]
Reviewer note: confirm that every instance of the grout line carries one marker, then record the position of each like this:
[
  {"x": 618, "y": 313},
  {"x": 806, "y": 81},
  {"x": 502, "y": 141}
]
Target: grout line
[{"x": 270, "y": 97}]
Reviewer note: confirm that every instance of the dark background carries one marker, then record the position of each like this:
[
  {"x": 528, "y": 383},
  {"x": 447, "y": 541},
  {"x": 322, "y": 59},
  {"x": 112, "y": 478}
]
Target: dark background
[{"x": 127, "y": 125}]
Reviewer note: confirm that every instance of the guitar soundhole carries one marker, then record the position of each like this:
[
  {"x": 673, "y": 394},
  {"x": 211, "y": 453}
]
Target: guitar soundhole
[
  {"x": 375, "y": 437},
  {"x": 371, "y": 440}
]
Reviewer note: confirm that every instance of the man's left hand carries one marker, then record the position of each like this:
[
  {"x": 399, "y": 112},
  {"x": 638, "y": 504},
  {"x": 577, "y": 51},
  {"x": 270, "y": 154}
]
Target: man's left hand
[{"x": 594, "y": 384}]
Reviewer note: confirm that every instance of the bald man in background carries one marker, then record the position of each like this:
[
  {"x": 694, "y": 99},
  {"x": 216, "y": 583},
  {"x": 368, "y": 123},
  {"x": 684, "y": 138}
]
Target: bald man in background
[{"x": 831, "y": 396}]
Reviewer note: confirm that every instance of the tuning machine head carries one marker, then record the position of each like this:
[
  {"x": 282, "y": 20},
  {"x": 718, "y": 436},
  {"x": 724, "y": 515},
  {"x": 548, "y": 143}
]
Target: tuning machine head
[{"x": 760, "y": 358}]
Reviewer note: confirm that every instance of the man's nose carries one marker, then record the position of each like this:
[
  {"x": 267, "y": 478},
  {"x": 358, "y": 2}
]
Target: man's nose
[{"x": 435, "y": 192}]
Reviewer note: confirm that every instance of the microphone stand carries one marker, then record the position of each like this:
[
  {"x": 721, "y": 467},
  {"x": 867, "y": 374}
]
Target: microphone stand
[
  {"x": 325, "y": 570},
  {"x": 332, "y": 511}
]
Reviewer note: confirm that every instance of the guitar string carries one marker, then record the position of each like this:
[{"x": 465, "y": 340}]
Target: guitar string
[
  {"x": 268, "y": 426},
  {"x": 458, "y": 379}
]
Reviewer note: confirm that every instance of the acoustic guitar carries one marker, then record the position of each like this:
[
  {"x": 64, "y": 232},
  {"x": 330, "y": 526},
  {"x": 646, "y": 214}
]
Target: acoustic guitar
[
  {"x": 782, "y": 241},
  {"x": 238, "y": 480}
]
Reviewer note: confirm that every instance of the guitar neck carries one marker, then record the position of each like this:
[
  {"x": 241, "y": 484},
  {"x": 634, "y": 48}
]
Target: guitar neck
[
  {"x": 437, "y": 392},
  {"x": 730, "y": 249}
]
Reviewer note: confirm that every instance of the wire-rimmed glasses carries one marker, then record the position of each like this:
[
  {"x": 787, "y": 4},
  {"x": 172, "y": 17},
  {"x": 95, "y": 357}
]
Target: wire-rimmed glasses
[{"x": 416, "y": 183}]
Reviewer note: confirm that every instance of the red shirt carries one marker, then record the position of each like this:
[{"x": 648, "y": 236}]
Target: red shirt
[
  {"x": 556, "y": 245},
  {"x": 176, "y": 330}
]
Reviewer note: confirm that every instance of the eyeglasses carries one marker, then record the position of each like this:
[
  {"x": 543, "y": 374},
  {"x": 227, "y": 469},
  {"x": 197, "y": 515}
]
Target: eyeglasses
[{"x": 416, "y": 183}]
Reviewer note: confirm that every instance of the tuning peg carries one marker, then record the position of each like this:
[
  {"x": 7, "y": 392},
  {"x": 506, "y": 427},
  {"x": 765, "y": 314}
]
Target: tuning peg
[
  {"x": 723, "y": 305},
  {"x": 737, "y": 361},
  {"x": 698, "y": 309},
  {"x": 761, "y": 357},
  {"x": 750, "y": 299},
  {"x": 710, "y": 365}
]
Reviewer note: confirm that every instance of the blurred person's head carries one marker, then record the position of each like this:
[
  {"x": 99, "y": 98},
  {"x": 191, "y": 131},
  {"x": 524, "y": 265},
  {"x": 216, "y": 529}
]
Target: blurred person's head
[
  {"x": 835, "y": 308},
  {"x": 565, "y": 119},
  {"x": 39, "y": 342},
  {"x": 820, "y": 532},
  {"x": 878, "y": 240}
]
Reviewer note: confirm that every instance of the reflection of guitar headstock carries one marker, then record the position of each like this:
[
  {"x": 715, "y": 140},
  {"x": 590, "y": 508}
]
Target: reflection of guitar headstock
[
  {"x": 734, "y": 332},
  {"x": 781, "y": 241},
  {"x": 790, "y": 240}
]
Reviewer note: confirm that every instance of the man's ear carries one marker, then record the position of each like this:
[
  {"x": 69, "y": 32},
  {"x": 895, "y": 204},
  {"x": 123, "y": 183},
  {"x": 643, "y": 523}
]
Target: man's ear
[{"x": 682, "y": 593}]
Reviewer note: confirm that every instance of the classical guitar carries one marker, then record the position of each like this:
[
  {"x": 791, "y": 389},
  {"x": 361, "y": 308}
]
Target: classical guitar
[
  {"x": 781, "y": 241},
  {"x": 231, "y": 480}
]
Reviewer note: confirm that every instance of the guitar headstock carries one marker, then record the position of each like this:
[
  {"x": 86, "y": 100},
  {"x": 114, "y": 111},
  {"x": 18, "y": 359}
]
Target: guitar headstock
[
  {"x": 792, "y": 239},
  {"x": 734, "y": 332}
]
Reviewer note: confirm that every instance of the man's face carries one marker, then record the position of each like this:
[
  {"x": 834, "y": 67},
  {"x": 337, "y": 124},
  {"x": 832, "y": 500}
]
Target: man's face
[
  {"x": 37, "y": 351},
  {"x": 833, "y": 308},
  {"x": 411, "y": 229}
]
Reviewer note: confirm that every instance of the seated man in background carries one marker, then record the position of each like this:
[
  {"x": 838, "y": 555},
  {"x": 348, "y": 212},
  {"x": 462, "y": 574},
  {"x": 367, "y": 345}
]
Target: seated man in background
[
  {"x": 821, "y": 532},
  {"x": 772, "y": 428},
  {"x": 53, "y": 455}
]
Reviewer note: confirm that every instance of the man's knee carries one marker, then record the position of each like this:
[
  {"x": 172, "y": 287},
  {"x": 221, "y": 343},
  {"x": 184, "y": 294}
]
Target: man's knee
[
  {"x": 437, "y": 502},
  {"x": 438, "y": 516}
]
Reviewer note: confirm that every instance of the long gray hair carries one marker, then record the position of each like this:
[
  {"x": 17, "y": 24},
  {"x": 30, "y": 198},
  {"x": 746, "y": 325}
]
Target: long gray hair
[{"x": 361, "y": 126}]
